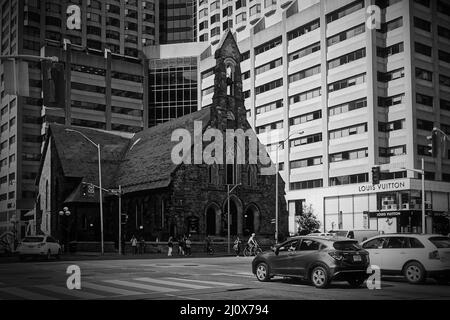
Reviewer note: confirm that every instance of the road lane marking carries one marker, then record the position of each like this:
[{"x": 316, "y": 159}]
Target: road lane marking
[
  {"x": 140, "y": 286},
  {"x": 181, "y": 297},
  {"x": 25, "y": 294},
  {"x": 172, "y": 283},
  {"x": 206, "y": 282},
  {"x": 74, "y": 293},
  {"x": 114, "y": 290}
]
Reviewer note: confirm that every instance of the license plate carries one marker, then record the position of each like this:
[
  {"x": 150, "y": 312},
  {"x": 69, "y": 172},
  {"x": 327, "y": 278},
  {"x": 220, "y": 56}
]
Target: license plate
[{"x": 357, "y": 258}]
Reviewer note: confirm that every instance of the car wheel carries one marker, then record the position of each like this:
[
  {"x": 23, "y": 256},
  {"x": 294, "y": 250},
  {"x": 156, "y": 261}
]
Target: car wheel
[
  {"x": 319, "y": 277},
  {"x": 262, "y": 272},
  {"x": 356, "y": 282},
  {"x": 49, "y": 254},
  {"x": 414, "y": 273},
  {"x": 246, "y": 252}
]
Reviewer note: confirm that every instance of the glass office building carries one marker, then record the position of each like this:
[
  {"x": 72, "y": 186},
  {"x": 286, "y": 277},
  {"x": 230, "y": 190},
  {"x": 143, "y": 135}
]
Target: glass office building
[{"x": 173, "y": 88}]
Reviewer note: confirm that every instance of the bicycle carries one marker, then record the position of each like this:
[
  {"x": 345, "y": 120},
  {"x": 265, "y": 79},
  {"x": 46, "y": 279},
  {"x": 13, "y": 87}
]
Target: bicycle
[{"x": 252, "y": 251}]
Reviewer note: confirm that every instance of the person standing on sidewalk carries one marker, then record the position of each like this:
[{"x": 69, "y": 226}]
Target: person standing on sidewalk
[
  {"x": 134, "y": 244},
  {"x": 188, "y": 246},
  {"x": 170, "y": 247},
  {"x": 237, "y": 246}
]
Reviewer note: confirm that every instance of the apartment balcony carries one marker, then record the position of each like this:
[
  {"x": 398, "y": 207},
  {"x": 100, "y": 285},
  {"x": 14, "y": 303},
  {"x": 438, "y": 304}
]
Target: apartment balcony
[
  {"x": 215, "y": 39},
  {"x": 285, "y": 3},
  {"x": 270, "y": 7},
  {"x": 241, "y": 25},
  {"x": 255, "y": 17}
]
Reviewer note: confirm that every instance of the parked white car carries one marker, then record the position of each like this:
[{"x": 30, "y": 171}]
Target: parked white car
[
  {"x": 45, "y": 246},
  {"x": 412, "y": 255},
  {"x": 358, "y": 235}
]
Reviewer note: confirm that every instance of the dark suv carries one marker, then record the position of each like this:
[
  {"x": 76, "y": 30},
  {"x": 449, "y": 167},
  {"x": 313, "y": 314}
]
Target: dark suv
[{"x": 318, "y": 259}]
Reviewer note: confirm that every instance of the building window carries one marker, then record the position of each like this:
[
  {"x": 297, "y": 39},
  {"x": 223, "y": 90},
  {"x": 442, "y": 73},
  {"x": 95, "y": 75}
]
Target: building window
[
  {"x": 391, "y": 50},
  {"x": 270, "y": 127},
  {"x": 444, "y": 80},
  {"x": 424, "y": 99},
  {"x": 391, "y": 75},
  {"x": 392, "y": 151},
  {"x": 423, "y": 49},
  {"x": 311, "y": 184},
  {"x": 268, "y": 66},
  {"x": 350, "y": 179},
  {"x": 349, "y": 82},
  {"x": 307, "y": 95},
  {"x": 422, "y": 24},
  {"x": 349, "y": 155},
  {"x": 268, "y": 45},
  {"x": 304, "y": 74},
  {"x": 391, "y": 126},
  {"x": 306, "y": 118},
  {"x": 306, "y": 140},
  {"x": 315, "y": 161},
  {"x": 311, "y": 26},
  {"x": 348, "y": 131},
  {"x": 304, "y": 52},
  {"x": 348, "y": 106},
  {"x": 269, "y": 86},
  {"x": 269, "y": 107},
  {"x": 424, "y": 150},
  {"x": 350, "y": 57},
  {"x": 353, "y": 32},
  {"x": 344, "y": 11},
  {"x": 425, "y": 125},
  {"x": 423, "y": 74}
]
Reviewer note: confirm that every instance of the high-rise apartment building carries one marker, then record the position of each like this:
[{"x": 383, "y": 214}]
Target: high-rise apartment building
[
  {"x": 341, "y": 89},
  {"x": 107, "y": 70}
]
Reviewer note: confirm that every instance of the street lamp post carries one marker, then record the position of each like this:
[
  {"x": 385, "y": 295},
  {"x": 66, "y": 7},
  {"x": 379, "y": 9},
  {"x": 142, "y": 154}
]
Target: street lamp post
[
  {"x": 276, "y": 182},
  {"x": 99, "y": 182},
  {"x": 422, "y": 172}
]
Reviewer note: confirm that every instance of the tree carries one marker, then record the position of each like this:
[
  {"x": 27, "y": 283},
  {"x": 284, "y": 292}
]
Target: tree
[{"x": 307, "y": 222}]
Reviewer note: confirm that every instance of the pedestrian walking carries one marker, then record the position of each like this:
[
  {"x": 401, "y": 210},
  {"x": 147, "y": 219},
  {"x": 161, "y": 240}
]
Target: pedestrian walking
[
  {"x": 134, "y": 244},
  {"x": 170, "y": 247},
  {"x": 180, "y": 247},
  {"x": 188, "y": 246},
  {"x": 142, "y": 245},
  {"x": 237, "y": 246}
]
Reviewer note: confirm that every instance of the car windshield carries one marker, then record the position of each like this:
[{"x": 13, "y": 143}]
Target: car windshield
[
  {"x": 441, "y": 242},
  {"x": 33, "y": 239},
  {"x": 340, "y": 233},
  {"x": 347, "y": 245}
]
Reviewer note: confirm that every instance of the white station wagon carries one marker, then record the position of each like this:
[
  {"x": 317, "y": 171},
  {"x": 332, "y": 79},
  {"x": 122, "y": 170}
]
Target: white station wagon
[
  {"x": 45, "y": 246},
  {"x": 412, "y": 255}
]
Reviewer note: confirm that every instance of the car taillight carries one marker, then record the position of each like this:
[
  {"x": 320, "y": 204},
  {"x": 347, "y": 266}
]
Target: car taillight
[
  {"x": 434, "y": 255},
  {"x": 337, "y": 256}
]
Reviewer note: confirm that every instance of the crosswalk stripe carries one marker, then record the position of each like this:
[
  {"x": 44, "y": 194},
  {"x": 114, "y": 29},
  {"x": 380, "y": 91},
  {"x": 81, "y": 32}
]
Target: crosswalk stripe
[
  {"x": 172, "y": 283},
  {"x": 74, "y": 293},
  {"x": 206, "y": 282},
  {"x": 114, "y": 290},
  {"x": 25, "y": 294},
  {"x": 140, "y": 286}
]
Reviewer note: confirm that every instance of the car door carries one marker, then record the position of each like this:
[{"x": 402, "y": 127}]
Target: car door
[
  {"x": 306, "y": 254},
  {"x": 283, "y": 261},
  {"x": 395, "y": 253},
  {"x": 374, "y": 247}
]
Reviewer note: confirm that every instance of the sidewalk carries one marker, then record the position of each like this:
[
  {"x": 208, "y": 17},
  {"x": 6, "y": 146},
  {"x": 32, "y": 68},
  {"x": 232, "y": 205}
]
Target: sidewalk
[{"x": 86, "y": 256}]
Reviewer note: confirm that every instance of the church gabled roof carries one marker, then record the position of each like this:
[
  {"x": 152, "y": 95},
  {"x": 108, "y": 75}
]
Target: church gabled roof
[
  {"x": 148, "y": 164},
  {"x": 137, "y": 163}
]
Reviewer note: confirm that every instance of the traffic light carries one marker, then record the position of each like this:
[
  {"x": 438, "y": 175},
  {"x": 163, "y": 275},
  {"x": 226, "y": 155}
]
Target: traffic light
[
  {"x": 84, "y": 189},
  {"x": 433, "y": 144},
  {"x": 376, "y": 174},
  {"x": 54, "y": 84},
  {"x": 16, "y": 78}
]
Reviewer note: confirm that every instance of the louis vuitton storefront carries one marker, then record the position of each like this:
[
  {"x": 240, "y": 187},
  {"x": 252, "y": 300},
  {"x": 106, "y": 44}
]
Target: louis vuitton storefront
[{"x": 393, "y": 206}]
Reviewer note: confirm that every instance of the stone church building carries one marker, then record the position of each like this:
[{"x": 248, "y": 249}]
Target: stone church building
[{"x": 160, "y": 197}]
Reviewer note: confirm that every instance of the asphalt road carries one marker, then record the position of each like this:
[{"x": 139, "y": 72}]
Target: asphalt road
[{"x": 213, "y": 278}]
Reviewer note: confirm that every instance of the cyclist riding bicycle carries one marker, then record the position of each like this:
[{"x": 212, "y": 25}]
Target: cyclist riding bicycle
[{"x": 252, "y": 244}]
